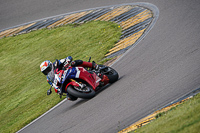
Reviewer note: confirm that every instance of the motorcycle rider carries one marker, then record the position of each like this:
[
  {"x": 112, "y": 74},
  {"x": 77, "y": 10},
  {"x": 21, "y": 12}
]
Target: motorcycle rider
[{"x": 49, "y": 69}]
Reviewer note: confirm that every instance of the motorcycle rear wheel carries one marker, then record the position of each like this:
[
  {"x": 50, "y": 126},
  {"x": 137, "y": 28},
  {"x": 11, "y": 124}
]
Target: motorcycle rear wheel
[
  {"x": 111, "y": 73},
  {"x": 84, "y": 95}
]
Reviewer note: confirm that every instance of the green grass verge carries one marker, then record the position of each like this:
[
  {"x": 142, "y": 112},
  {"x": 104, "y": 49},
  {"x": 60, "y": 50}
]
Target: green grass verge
[
  {"x": 184, "y": 118},
  {"x": 23, "y": 87}
]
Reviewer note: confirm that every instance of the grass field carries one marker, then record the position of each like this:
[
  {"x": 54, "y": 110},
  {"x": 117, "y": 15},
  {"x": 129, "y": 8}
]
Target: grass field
[
  {"x": 184, "y": 118},
  {"x": 23, "y": 87}
]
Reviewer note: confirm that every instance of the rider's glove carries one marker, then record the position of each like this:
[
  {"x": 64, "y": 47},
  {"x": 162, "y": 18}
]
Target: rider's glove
[
  {"x": 66, "y": 62},
  {"x": 95, "y": 66}
]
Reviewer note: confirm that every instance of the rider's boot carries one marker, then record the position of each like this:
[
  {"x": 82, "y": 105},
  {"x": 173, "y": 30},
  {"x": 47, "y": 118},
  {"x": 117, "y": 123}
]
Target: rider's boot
[
  {"x": 95, "y": 66},
  {"x": 71, "y": 98}
]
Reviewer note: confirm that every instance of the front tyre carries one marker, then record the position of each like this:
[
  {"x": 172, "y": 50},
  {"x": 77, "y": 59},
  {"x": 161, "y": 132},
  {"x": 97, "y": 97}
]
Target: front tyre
[{"x": 85, "y": 95}]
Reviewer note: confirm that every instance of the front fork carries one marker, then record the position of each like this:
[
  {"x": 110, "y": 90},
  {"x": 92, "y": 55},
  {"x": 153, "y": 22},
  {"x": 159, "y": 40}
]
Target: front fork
[{"x": 80, "y": 84}]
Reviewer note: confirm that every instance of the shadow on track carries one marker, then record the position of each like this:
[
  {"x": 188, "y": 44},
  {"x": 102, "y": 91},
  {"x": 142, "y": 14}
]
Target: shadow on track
[{"x": 80, "y": 101}]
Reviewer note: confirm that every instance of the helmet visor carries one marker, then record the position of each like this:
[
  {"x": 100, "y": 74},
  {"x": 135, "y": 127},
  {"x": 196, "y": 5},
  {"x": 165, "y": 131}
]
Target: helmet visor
[
  {"x": 47, "y": 70},
  {"x": 51, "y": 74}
]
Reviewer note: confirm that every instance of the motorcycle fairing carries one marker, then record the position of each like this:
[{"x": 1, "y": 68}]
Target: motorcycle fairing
[
  {"x": 72, "y": 83},
  {"x": 71, "y": 73},
  {"x": 90, "y": 78},
  {"x": 80, "y": 72}
]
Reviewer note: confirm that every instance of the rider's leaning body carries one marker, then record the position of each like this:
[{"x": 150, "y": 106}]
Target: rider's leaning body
[{"x": 49, "y": 69}]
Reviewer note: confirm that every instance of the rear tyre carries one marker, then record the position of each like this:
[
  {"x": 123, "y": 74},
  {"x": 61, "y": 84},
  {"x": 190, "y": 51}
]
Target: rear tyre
[
  {"x": 111, "y": 73},
  {"x": 84, "y": 95}
]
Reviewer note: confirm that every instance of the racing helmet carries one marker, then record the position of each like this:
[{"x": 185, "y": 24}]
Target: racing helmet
[{"x": 46, "y": 67}]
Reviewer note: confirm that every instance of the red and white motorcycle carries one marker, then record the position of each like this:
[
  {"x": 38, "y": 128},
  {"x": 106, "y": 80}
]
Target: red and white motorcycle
[{"x": 79, "y": 82}]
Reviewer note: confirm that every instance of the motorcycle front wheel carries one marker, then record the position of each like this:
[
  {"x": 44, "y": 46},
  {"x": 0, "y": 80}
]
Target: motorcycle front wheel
[{"x": 80, "y": 94}]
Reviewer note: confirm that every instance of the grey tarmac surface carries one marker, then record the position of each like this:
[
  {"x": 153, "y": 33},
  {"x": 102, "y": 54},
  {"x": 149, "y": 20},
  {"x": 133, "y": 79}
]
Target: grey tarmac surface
[{"x": 164, "y": 66}]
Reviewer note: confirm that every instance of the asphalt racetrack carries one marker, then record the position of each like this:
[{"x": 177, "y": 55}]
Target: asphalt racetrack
[{"x": 164, "y": 66}]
